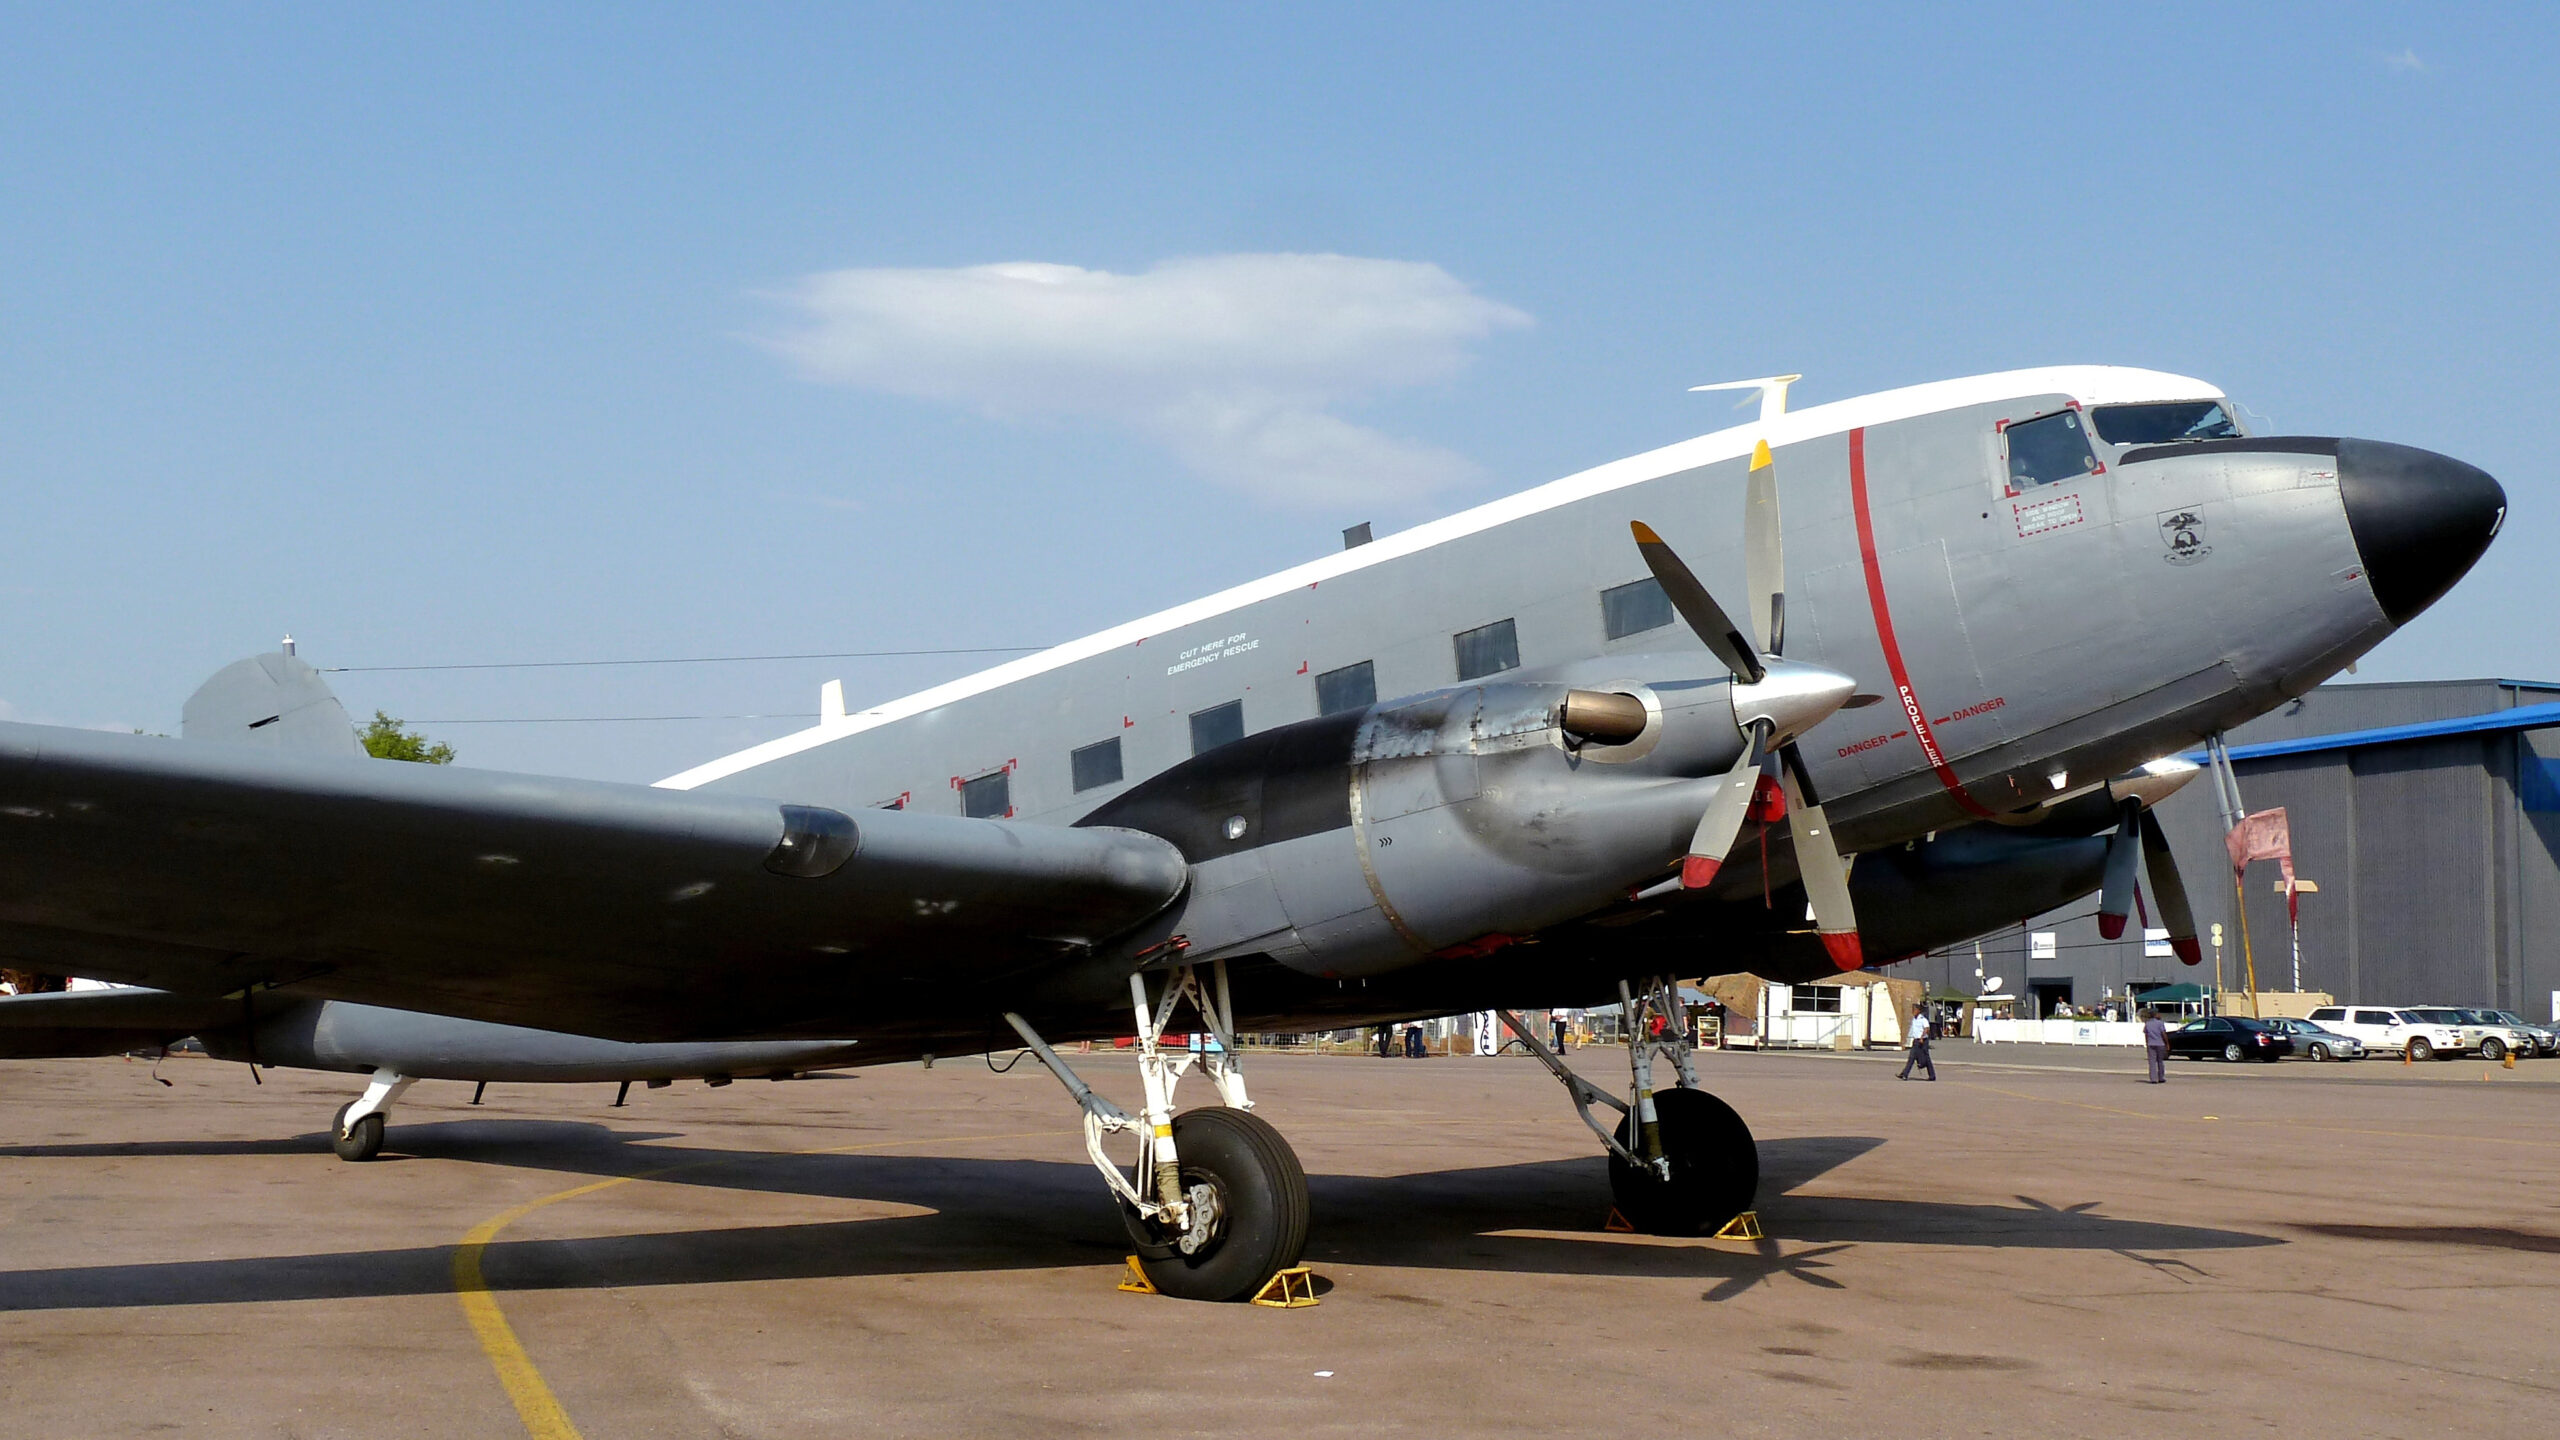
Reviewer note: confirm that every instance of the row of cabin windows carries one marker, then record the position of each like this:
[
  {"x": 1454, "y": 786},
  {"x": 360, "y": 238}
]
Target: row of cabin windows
[
  {"x": 1486, "y": 650},
  {"x": 2041, "y": 451}
]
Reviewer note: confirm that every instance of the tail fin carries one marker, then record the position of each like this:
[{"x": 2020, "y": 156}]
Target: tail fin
[{"x": 274, "y": 700}]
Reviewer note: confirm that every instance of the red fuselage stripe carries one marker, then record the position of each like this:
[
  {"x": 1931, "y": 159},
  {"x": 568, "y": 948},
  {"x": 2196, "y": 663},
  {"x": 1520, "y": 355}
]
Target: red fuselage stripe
[{"x": 1902, "y": 690}]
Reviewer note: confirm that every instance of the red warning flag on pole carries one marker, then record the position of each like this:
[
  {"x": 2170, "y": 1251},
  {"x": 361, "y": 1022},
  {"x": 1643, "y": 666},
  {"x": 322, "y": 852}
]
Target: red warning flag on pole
[{"x": 2266, "y": 835}]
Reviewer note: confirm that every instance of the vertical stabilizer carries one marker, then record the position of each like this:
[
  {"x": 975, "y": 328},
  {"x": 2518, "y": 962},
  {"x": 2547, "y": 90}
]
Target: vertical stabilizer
[{"x": 275, "y": 700}]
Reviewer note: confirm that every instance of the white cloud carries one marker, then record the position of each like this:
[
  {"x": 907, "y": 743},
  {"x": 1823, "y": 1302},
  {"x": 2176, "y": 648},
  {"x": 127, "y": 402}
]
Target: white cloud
[
  {"x": 1234, "y": 363},
  {"x": 2405, "y": 60}
]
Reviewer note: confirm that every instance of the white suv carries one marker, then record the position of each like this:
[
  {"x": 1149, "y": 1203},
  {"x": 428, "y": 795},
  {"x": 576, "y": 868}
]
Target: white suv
[{"x": 2384, "y": 1029}]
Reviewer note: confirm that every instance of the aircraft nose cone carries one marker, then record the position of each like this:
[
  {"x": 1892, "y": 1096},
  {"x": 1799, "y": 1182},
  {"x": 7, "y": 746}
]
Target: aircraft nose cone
[{"x": 2419, "y": 520}]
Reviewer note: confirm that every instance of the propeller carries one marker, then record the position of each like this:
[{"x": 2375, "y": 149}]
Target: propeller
[
  {"x": 2170, "y": 892},
  {"x": 2115, "y": 896},
  {"x": 1775, "y": 701}
]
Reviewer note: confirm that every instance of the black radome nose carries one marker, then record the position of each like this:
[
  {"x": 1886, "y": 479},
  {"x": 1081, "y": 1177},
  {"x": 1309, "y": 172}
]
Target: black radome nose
[{"x": 2419, "y": 519}]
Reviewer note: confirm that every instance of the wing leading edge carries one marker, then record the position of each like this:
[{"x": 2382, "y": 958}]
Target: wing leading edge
[{"x": 622, "y": 911}]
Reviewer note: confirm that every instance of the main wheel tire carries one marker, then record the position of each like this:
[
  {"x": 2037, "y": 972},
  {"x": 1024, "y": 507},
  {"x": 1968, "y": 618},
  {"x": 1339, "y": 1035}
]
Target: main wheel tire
[
  {"x": 2493, "y": 1049},
  {"x": 1262, "y": 1203},
  {"x": 2319, "y": 1051},
  {"x": 2231, "y": 1052},
  {"x": 1715, "y": 1167},
  {"x": 2419, "y": 1049},
  {"x": 364, "y": 1143}
]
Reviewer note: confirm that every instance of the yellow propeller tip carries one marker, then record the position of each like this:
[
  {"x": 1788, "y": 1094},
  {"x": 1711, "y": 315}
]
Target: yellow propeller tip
[
  {"x": 1760, "y": 458},
  {"x": 1644, "y": 533}
]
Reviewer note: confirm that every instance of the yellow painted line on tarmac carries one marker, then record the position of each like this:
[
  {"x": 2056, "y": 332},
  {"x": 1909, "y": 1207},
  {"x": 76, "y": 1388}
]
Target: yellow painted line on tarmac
[{"x": 536, "y": 1405}]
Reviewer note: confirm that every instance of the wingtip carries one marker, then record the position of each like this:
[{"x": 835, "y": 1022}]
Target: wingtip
[{"x": 1844, "y": 949}]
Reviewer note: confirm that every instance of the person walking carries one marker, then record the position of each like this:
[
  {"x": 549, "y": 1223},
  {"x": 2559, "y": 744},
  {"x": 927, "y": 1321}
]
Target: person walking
[
  {"x": 2155, "y": 1046},
  {"x": 1919, "y": 1048}
]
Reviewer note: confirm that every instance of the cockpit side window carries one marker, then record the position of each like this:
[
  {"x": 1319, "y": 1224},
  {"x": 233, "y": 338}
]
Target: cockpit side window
[
  {"x": 2048, "y": 449},
  {"x": 2166, "y": 423}
]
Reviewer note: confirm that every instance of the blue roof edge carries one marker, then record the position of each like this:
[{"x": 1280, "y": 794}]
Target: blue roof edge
[{"x": 2521, "y": 717}]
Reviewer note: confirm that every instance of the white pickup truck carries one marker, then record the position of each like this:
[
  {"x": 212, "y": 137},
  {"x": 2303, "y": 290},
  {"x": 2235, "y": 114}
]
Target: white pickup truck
[{"x": 2386, "y": 1029}]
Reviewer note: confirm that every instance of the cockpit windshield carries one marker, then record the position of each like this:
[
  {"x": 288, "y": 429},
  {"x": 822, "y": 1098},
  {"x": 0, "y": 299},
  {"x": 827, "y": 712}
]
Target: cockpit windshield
[{"x": 2166, "y": 423}]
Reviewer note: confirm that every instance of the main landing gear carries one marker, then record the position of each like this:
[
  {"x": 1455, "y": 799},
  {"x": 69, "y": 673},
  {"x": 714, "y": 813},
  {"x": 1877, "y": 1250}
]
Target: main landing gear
[
  {"x": 1216, "y": 1203},
  {"x": 1680, "y": 1161},
  {"x": 356, "y": 1133}
]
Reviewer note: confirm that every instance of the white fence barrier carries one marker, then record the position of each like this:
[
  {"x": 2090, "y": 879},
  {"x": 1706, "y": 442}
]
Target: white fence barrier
[{"x": 2058, "y": 1032}]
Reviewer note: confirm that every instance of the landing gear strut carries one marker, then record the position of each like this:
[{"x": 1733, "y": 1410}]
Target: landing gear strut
[
  {"x": 356, "y": 1133},
  {"x": 1680, "y": 1160},
  {"x": 1216, "y": 1202}
]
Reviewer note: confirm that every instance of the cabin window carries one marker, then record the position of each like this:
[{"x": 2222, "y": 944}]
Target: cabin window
[
  {"x": 1095, "y": 766},
  {"x": 1488, "y": 650},
  {"x": 989, "y": 797},
  {"x": 1633, "y": 609},
  {"x": 2047, "y": 450},
  {"x": 1353, "y": 687},
  {"x": 2164, "y": 424},
  {"x": 1218, "y": 725}
]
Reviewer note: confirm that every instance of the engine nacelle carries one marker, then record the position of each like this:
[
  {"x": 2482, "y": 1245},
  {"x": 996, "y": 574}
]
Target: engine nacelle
[{"x": 1357, "y": 844}]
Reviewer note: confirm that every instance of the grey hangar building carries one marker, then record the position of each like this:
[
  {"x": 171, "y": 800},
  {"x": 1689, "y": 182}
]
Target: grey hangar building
[{"x": 2428, "y": 815}]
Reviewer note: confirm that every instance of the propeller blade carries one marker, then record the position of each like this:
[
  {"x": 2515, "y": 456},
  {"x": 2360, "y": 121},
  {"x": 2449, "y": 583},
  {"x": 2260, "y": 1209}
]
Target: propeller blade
[
  {"x": 1698, "y": 607},
  {"x": 1764, "y": 553},
  {"x": 2170, "y": 892},
  {"x": 1722, "y": 823},
  {"x": 2115, "y": 900},
  {"x": 1826, "y": 877}
]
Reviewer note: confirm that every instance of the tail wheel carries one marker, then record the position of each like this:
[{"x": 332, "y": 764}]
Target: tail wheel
[
  {"x": 363, "y": 1143},
  {"x": 1247, "y": 1185},
  {"x": 1715, "y": 1167}
]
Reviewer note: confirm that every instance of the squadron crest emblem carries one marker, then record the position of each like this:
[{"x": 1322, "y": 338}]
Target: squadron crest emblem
[{"x": 2183, "y": 532}]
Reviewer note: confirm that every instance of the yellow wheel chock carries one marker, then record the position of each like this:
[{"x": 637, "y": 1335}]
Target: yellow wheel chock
[
  {"x": 1290, "y": 1289},
  {"x": 1135, "y": 1281},
  {"x": 1745, "y": 1226}
]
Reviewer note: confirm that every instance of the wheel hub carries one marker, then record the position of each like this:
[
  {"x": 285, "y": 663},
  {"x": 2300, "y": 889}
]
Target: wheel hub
[{"x": 1208, "y": 1217}]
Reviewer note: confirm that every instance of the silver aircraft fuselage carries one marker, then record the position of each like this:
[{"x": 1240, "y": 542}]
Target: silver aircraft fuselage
[{"x": 2028, "y": 634}]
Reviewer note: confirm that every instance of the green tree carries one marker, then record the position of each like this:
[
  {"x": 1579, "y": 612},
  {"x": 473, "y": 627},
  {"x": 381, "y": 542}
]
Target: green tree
[{"x": 388, "y": 739}]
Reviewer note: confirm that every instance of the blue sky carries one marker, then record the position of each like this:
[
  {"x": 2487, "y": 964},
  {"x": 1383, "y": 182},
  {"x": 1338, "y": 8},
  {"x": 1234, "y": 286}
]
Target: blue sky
[{"x": 463, "y": 335}]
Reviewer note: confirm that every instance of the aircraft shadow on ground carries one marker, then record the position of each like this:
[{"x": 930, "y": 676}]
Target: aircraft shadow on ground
[{"x": 995, "y": 1215}]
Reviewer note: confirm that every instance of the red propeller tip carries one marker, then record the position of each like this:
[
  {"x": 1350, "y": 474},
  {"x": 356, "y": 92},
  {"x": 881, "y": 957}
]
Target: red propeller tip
[
  {"x": 2110, "y": 927},
  {"x": 1844, "y": 949},
  {"x": 1698, "y": 871},
  {"x": 2189, "y": 948}
]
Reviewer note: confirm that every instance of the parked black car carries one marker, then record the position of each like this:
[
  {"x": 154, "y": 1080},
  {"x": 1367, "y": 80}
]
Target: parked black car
[{"x": 2230, "y": 1036}]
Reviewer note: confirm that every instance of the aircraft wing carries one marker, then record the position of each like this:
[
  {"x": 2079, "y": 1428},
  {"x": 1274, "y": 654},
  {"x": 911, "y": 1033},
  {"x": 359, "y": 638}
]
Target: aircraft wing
[{"x": 621, "y": 911}]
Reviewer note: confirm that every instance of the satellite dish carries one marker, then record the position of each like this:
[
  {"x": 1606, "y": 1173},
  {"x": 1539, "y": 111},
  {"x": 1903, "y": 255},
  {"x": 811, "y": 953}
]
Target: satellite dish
[{"x": 1991, "y": 984}]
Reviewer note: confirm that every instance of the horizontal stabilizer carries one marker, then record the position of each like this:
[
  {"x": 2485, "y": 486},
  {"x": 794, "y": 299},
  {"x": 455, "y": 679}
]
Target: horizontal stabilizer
[{"x": 65, "y": 1024}]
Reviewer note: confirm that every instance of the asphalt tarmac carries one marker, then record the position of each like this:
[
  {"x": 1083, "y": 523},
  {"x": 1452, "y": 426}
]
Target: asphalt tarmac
[{"x": 2038, "y": 1244}]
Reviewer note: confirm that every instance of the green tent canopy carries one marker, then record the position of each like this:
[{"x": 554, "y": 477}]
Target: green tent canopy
[{"x": 2180, "y": 994}]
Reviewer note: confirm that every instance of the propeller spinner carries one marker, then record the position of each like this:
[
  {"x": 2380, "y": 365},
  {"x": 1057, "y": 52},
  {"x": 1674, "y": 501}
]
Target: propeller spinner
[{"x": 1775, "y": 701}]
